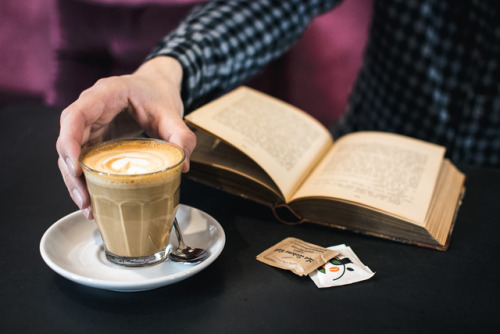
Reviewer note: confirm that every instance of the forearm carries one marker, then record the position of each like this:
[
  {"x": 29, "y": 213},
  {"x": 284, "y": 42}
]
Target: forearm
[{"x": 223, "y": 43}]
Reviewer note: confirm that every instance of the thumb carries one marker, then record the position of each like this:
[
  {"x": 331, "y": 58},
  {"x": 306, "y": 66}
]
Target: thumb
[{"x": 178, "y": 132}]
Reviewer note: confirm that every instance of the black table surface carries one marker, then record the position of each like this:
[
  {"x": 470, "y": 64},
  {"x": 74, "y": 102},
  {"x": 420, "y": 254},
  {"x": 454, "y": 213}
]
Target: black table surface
[{"x": 414, "y": 290}]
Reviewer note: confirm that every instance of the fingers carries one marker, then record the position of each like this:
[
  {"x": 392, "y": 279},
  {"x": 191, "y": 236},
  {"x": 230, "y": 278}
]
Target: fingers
[
  {"x": 76, "y": 188},
  {"x": 70, "y": 140},
  {"x": 176, "y": 131},
  {"x": 187, "y": 140},
  {"x": 81, "y": 123}
]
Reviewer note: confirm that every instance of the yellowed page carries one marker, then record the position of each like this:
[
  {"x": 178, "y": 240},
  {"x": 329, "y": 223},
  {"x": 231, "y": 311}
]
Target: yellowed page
[
  {"x": 285, "y": 141},
  {"x": 392, "y": 173}
]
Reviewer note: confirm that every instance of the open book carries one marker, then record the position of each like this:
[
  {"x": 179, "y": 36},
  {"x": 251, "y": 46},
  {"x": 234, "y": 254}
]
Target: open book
[{"x": 376, "y": 183}]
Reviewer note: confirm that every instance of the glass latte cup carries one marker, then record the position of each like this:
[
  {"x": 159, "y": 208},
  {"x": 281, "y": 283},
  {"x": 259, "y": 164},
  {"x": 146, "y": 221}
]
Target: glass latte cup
[{"x": 134, "y": 189}]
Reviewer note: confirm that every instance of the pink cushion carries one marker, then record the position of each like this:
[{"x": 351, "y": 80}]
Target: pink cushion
[{"x": 318, "y": 73}]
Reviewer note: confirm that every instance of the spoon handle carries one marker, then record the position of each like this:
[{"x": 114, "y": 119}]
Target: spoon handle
[{"x": 178, "y": 233}]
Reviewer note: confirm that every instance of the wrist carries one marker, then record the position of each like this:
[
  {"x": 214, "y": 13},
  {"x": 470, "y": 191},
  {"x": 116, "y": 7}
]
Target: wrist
[{"x": 163, "y": 67}]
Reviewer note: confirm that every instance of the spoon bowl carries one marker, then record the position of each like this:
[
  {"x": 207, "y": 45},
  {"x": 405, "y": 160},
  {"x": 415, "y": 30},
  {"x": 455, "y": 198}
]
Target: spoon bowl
[{"x": 184, "y": 253}]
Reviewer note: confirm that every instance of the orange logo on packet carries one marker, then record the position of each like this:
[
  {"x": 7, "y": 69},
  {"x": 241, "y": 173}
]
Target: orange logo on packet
[{"x": 334, "y": 269}]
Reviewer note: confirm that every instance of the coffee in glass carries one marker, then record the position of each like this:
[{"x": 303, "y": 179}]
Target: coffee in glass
[{"x": 134, "y": 189}]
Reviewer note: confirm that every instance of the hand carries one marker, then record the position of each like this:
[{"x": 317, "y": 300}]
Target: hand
[{"x": 147, "y": 100}]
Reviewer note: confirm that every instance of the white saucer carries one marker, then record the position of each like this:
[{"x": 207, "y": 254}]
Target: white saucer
[{"x": 72, "y": 247}]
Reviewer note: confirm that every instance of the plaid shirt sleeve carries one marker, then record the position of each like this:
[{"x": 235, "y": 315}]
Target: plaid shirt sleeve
[
  {"x": 431, "y": 68},
  {"x": 223, "y": 43}
]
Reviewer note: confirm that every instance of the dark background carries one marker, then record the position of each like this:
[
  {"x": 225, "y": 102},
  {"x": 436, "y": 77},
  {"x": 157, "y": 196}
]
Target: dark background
[{"x": 414, "y": 290}]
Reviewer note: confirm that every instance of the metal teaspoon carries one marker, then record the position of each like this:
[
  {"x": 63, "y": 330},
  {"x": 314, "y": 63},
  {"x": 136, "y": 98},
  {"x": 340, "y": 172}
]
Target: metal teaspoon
[{"x": 184, "y": 253}]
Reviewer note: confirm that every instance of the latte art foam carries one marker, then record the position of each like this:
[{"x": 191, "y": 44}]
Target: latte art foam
[
  {"x": 130, "y": 163},
  {"x": 133, "y": 158}
]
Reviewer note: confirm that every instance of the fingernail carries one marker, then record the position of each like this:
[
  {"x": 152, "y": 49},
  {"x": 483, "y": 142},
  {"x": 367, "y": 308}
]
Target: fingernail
[
  {"x": 87, "y": 212},
  {"x": 71, "y": 167},
  {"x": 78, "y": 197}
]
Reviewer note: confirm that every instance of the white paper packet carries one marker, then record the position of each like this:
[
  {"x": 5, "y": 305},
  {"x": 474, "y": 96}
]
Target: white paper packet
[{"x": 345, "y": 268}]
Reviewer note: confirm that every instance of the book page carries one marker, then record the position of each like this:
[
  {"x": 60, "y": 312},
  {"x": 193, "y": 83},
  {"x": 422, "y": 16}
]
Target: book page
[
  {"x": 389, "y": 172},
  {"x": 283, "y": 140},
  {"x": 212, "y": 151}
]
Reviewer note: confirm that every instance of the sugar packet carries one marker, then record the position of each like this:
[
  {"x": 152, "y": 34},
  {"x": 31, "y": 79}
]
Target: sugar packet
[
  {"x": 343, "y": 269},
  {"x": 296, "y": 255}
]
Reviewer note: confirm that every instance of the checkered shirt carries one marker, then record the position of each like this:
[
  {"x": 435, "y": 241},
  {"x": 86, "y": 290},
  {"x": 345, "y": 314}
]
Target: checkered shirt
[{"x": 431, "y": 67}]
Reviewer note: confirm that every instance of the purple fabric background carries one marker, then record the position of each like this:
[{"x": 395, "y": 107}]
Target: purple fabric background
[{"x": 51, "y": 50}]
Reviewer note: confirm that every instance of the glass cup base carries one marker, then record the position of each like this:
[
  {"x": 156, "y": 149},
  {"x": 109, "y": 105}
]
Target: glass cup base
[{"x": 141, "y": 261}]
